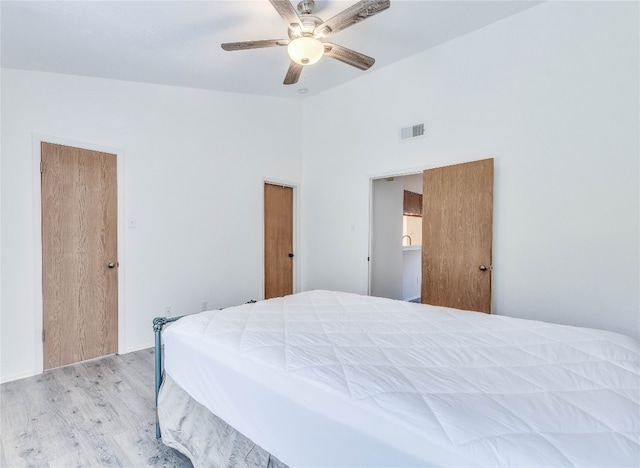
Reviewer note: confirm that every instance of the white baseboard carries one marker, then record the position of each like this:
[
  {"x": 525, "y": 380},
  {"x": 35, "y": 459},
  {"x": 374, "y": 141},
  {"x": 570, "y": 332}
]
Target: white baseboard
[{"x": 21, "y": 375}]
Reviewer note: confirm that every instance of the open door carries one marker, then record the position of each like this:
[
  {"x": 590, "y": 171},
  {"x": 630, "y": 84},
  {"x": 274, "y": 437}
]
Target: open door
[{"x": 457, "y": 230}]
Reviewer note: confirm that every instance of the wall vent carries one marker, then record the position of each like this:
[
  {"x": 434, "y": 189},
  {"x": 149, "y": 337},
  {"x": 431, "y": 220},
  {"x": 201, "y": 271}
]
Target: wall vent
[{"x": 415, "y": 131}]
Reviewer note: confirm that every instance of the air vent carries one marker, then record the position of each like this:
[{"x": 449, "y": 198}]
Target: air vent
[{"x": 415, "y": 131}]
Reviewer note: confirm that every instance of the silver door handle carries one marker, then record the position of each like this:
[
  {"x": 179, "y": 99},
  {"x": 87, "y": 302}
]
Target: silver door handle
[
  {"x": 483, "y": 268},
  {"x": 111, "y": 265}
]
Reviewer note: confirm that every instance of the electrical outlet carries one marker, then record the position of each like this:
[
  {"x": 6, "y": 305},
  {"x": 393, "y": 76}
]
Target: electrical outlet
[
  {"x": 204, "y": 306},
  {"x": 167, "y": 311}
]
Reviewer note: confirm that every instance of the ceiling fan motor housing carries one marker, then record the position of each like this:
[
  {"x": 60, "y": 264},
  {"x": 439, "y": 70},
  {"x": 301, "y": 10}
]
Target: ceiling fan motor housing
[
  {"x": 308, "y": 23},
  {"x": 305, "y": 7}
]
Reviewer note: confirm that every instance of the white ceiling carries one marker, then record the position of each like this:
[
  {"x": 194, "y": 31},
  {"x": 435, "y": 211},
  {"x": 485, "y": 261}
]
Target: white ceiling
[{"x": 178, "y": 42}]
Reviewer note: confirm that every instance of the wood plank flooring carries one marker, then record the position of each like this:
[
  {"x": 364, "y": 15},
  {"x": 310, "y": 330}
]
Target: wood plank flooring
[{"x": 92, "y": 414}]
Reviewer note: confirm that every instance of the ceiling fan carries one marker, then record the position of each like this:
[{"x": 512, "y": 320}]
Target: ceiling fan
[{"x": 306, "y": 31}]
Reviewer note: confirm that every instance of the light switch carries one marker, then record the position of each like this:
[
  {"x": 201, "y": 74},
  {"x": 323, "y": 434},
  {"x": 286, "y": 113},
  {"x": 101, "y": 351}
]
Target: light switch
[{"x": 131, "y": 223}]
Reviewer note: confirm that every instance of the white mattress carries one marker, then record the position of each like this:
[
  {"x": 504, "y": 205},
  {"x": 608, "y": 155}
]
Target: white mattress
[{"x": 324, "y": 378}]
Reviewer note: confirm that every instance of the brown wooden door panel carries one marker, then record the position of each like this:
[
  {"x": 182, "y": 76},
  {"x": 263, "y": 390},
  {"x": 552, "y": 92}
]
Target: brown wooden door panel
[
  {"x": 278, "y": 241},
  {"x": 79, "y": 239},
  {"x": 457, "y": 235}
]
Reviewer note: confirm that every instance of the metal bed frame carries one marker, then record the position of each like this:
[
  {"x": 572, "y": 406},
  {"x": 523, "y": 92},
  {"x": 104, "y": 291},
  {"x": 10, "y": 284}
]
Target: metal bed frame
[{"x": 158, "y": 325}]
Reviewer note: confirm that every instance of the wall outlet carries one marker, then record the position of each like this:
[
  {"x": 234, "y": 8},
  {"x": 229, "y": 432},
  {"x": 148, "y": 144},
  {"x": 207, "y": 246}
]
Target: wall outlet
[
  {"x": 204, "y": 306},
  {"x": 167, "y": 311}
]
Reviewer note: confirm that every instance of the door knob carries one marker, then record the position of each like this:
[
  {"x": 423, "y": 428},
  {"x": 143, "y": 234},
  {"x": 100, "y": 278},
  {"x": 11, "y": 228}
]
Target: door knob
[
  {"x": 111, "y": 265},
  {"x": 290, "y": 255},
  {"x": 483, "y": 268}
]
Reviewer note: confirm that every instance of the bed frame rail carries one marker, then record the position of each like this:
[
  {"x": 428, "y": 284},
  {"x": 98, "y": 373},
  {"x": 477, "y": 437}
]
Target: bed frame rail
[{"x": 158, "y": 325}]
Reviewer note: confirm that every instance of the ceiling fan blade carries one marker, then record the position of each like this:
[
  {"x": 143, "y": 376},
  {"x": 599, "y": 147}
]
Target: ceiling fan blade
[
  {"x": 348, "y": 56},
  {"x": 293, "y": 73},
  {"x": 254, "y": 44},
  {"x": 352, "y": 15},
  {"x": 286, "y": 10}
]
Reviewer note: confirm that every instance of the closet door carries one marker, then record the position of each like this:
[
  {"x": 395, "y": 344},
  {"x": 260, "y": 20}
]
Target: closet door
[
  {"x": 278, "y": 240},
  {"x": 79, "y": 254},
  {"x": 457, "y": 229}
]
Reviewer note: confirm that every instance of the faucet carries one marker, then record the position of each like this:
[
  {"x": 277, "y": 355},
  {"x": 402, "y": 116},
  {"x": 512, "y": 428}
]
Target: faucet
[{"x": 407, "y": 235}]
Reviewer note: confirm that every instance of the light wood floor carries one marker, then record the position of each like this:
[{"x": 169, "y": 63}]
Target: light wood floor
[{"x": 92, "y": 414}]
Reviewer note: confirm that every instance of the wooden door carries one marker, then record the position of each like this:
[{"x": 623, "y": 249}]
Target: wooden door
[
  {"x": 79, "y": 254},
  {"x": 278, "y": 241},
  {"x": 457, "y": 227}
]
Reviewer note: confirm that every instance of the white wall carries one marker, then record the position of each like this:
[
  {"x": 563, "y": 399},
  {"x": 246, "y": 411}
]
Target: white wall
[
  {"x": 552, "y": 95},
  {"x": 194, "y": 163},
  {"x": 386, "y": 238},
  {"x": 413, "y": 182},
  {"x": 411, "y": 274}
]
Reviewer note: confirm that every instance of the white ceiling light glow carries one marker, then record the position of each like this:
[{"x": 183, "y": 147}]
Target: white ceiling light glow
[{"x": 305, "y": 50}]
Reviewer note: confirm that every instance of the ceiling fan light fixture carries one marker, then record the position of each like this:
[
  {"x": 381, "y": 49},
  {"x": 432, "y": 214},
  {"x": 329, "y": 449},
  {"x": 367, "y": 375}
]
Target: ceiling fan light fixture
[{"x": 305, "y": 50}]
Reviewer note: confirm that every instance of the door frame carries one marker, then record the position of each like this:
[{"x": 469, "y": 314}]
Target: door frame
[
  {"x": 36, "y": 141},
  {"x": 296, "y": 220}
]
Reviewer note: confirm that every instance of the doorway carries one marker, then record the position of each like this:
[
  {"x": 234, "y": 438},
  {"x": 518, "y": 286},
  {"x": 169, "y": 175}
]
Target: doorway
[
  {"x": 79, "y": 214},
  {"x": 454, "y": 261},
  {"x": 396, "y": 231}
]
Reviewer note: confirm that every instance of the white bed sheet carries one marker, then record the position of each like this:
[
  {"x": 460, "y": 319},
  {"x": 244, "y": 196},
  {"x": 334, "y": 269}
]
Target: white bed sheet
[{"x": 324, "y": 378}]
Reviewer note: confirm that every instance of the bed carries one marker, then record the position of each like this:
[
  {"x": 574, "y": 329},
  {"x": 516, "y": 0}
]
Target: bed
[{"x": 325, "y": 378}]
